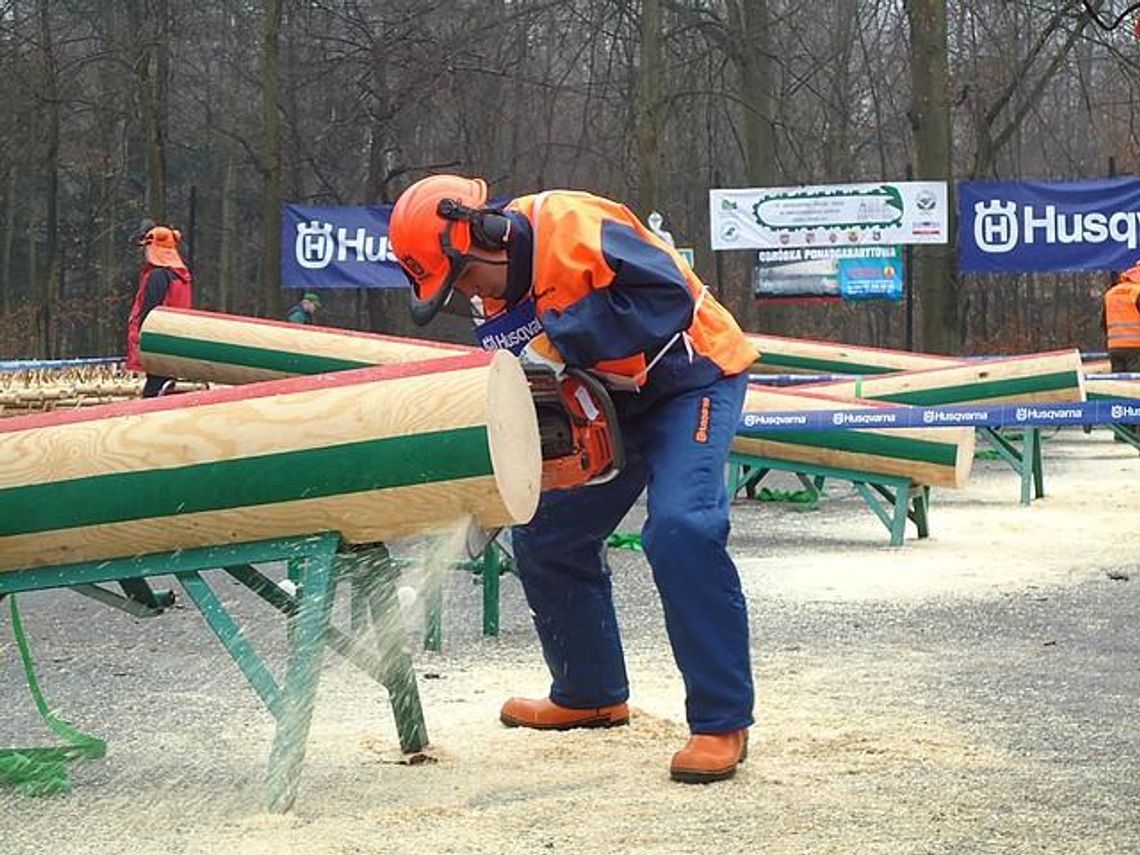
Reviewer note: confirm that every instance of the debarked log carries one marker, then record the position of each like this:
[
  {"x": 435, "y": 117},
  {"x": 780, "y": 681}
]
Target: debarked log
[
  {"x": 230, "y": 349},
  {"x": 938, "y": 457},
  {"x": 1099, "y": 390},
  {"x": 809, "y": 356},
  {"x": 1036, "y": 378},
  {"x": 374, "y": 454}
]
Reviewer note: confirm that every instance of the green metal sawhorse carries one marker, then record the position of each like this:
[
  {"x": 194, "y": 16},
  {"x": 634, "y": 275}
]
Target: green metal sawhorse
[
  {"x": 315, "y": 566},
  {"x": 487, "y": 570},
  {"x": 1026, "y": 460},
  {"x": 1127, "y": 433},
  {"x": 903, "y": 498}
]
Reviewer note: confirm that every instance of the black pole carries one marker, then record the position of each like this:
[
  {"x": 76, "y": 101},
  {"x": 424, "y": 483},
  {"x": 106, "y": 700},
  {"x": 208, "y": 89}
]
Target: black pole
[
  {"x": 1112, "y": 274},
  {"x": 908, "y": 282},
  {"x": 191, "y": 226}
]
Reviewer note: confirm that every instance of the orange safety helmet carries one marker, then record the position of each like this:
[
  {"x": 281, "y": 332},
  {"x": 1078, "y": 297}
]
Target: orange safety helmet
[
  {"x": 432, "y": 228},
  {"x": 161, "y": 245}
]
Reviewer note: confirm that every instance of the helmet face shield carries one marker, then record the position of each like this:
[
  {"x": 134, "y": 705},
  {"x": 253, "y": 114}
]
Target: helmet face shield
[{"x": 423, "y": 310}]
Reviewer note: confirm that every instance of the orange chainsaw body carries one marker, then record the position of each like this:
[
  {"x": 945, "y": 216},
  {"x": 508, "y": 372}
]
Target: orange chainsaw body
[{"x": 581, "y": 442}]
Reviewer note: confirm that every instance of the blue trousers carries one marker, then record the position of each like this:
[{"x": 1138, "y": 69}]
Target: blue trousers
[{"x": 676, "y": 450}]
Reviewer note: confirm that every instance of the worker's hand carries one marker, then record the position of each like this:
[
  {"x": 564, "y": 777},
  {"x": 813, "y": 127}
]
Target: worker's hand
[{"x": 541, "y": 351}]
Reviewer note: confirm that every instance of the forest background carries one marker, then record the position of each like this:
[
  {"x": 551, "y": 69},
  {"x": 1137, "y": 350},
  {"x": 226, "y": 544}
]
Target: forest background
[{"x": 209, "y": 114}]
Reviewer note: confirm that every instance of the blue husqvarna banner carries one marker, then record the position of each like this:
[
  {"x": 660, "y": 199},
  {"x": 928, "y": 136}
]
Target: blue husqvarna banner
[
  {"x": 338, "y": 247},
  {"x": 1038, "y": 226}
]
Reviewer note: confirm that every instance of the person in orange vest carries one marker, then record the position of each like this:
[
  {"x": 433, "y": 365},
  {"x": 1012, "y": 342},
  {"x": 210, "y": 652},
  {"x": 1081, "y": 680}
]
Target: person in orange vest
[
  {"x": 1122, "y": 322},
  {"x": 164, "y": 280},
  {"x": 572, "y": 279}
]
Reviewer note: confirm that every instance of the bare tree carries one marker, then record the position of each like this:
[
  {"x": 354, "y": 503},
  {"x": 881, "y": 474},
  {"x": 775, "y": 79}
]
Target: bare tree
[{"x": 271, "y": 161}]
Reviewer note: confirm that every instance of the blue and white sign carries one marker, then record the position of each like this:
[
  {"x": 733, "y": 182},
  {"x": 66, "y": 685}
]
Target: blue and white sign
[
  {"x": 509, "y": 330},
  {"x": 1038, "y": 226},
  {"x": 338, "y": 247},
  {"x": 872, "y": 278}
]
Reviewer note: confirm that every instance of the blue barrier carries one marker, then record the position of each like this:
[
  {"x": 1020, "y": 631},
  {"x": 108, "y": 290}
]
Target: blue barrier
[
  {"x": 1109, "y": 411},
  {"x": 12, "y": 365},
  {"x": 801, "y": 379}
]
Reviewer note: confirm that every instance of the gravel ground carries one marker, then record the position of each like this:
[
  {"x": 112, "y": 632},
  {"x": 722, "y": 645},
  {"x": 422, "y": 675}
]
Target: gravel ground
[{"x": 976, "y": 691}]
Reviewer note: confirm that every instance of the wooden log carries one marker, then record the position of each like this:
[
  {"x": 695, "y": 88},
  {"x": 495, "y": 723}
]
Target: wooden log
[
  {"x": 1104, "y": 389},
  {"x": 1032, "y": 378},
  {"x": 374, "y": 454},
  {"x": 230, "y": 349},
  {"x": 1038, "y": 378},
  {"x": 939, "y": 457},
  {"x": 807, "y": 356}
]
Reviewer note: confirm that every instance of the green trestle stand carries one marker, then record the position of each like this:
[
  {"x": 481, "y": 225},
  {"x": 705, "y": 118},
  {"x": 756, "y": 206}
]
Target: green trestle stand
[
  {"x": 894, "y": 499},
  {"x": 374, "y": 641},
  {"x": 1025, "y": 460}
]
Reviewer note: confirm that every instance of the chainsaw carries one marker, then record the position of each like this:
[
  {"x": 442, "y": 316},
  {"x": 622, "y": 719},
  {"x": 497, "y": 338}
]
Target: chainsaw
[{"x": 578, "y": 428}]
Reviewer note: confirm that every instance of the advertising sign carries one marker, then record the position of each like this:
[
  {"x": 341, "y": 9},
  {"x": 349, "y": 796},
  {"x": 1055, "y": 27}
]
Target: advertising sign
[
  {"x": 906, "y": 212},
  {"x": 338, "y": 247},
  {"x": 1038, "y": 226},
  {"x": 848, "y": 273}
]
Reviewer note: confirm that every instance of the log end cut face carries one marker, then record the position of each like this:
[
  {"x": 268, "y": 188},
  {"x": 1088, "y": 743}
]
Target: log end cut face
[{"x": 512, "y": 430}]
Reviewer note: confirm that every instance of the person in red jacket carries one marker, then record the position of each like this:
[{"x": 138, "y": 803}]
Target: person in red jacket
[
  {"x": 164, "y": 280},
  {"x": 572, "y": 279}
]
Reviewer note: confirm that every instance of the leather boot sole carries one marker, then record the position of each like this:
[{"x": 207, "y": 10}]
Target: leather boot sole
[
  {"x": 707, "y": 776},
  {"x": 592, "y": 721}
]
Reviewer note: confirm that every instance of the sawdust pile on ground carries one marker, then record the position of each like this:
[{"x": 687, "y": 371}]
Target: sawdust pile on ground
[{"x": 963, "y": 693}]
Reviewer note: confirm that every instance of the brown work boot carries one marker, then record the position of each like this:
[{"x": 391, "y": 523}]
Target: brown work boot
[
  {"x": 709, "y": 757},
  {"x": 544, "y": 714}
]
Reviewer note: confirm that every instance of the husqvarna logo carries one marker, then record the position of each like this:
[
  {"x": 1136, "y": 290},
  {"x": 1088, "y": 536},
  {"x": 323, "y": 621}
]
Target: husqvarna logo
[
  {"x": 995, "y": 226},
  {"x": 319, "y": 243},
  {"x": 1001, "y": 226}
]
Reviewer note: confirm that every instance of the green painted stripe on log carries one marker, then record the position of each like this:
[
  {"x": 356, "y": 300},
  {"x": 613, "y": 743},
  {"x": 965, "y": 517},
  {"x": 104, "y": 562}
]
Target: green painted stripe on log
[
  {"x": 264, "y": 479},
  {"x": 899, "y": 448},
  {"x": 1113, "y": 396},
  {"x": 821, "y": 365},
  {"x": 982, "y": 391},
  {"x": 245, "y": 356}
]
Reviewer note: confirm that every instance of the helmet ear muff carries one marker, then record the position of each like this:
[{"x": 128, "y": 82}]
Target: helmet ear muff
[{"x": 490, "y": 227}]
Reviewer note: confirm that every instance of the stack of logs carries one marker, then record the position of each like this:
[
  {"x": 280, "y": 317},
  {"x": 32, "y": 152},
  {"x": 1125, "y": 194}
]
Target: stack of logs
[{"x": 40, "y": 390}]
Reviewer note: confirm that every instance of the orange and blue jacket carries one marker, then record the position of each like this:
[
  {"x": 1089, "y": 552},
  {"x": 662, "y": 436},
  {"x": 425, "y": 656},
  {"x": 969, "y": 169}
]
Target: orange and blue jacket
[
  {"x": 614, "y": 297},
  {"x": 1122, "y": 312}
]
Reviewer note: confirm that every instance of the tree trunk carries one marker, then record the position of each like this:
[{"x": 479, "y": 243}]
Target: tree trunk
[
  {"x": 271, "y": 168},
  {"x": 935, "y": 273},
  {"x": 6, "y": 296},
  {"x": 228, "y": 250},
  {"x": 152, "y": 66},
  {"x": 49, "y": 290},
  {"x": 752, "y": 53},
  {"x": 650, "y": 110}
]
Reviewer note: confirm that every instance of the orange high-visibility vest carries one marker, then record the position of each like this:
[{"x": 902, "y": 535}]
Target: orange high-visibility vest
[{"x": 1122, "y": 314}]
